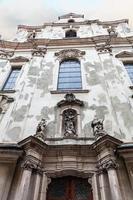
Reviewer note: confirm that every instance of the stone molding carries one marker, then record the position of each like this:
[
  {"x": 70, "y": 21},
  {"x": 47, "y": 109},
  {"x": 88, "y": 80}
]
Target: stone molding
[
  {"x": 19, "y": 59},
  {"x": 69, "y": 53},
  {"x": 70, "y": 99},
  {"x": 124, "y": 54},
  {"x": 65, "y": 42},
  {"x": 105, "y": 23}
]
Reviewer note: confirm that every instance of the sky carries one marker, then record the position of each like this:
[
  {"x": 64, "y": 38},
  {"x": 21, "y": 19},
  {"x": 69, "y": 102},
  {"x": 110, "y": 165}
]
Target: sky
[{"x": 36, "y": 12}]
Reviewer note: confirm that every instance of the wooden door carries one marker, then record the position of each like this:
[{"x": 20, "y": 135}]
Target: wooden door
[{"x": 69, "y": 188}]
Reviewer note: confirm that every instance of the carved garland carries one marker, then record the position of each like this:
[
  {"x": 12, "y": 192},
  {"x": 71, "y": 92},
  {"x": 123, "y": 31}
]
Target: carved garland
[{"x": 69, "y": 53}]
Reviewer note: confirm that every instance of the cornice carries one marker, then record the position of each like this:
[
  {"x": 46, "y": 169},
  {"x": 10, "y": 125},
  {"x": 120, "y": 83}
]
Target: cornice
[
  {"x": 86, "y": 22},
  {"x": 64, "y": 42}
]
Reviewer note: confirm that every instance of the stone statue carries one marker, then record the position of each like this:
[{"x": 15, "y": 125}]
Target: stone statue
[
  {"x": 41, "y": 129},
  {"x": 98, "y": 129},
  {"x": 70, "y": 122}
]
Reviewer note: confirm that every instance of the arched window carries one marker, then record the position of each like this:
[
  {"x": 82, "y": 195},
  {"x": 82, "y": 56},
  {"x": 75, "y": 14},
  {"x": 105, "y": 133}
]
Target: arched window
[
  {"x": 71, "y": 21},
  {"x": 71, "y": 33},
  {"x": 70, "y": 75}
]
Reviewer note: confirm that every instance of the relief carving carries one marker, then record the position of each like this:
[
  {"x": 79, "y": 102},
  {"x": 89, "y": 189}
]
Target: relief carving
[
  {"x": 69, "y": 53},
  {"x": 103, "y": 48},
  {"x": 70, "y": 123},
  {"x": 70, "y": 99},
  {"x": 38, "y": 51},
  {"x": 4, "y": 103},
  {"x": 29, "y": 164},
  {"x": 6, "y": 54},
  {"x": 105, "y": 166},
  {"x": 98, "y": 129},
  {"x": 41, "y": 130}
]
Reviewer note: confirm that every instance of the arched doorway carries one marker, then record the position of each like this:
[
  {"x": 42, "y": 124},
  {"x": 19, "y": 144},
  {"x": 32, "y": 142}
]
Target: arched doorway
[{"x": 69, "y": 188}]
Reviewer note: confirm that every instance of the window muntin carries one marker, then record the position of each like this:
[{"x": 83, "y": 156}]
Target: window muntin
[
  {"x": 69, "y": 75},
  {"x": 11, "y": 80},
  {"x": 71, "y": 33},
  {"x": 129, "y": 68}
]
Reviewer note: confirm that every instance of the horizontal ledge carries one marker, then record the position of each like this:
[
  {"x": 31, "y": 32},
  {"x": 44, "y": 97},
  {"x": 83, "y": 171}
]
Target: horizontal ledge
[
  {"x": 68, "y": 91},
  {"x": 7, "y": 91},
  {"x": 70, "y": 138}
]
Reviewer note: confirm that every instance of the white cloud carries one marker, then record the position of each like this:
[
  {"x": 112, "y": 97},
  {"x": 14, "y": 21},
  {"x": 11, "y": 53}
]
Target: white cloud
[{"x": 35, "y": 12}]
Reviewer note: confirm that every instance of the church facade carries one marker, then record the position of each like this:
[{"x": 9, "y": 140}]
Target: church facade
[{"x": 66, "y": 111}]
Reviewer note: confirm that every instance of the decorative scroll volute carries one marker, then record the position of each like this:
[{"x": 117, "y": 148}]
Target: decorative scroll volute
[{"x": 69, "y": 53}]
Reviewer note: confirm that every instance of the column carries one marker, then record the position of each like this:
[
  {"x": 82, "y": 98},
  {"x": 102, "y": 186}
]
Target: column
[
  {"x": 111, "y": 167},
  {"x": 95, "y": 187},
  {"x": 103, "y": 185},
  {"x": 23, "y": 190},
  {"x": 37, "y": 184},
  {"x": 45, "y": 182},
  {"x": 22, "y": 193}
]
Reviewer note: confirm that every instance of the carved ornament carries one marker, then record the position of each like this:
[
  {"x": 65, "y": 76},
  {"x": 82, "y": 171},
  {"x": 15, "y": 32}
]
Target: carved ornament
[
  {"x": 4, "y": 102},
  {"x": 105, "y": 166},
  {"x": 70, "y": 123},
  {"x": 39, "y": 52},
  {"x": 28, "y": 165},
  {"x": 41, "y": 130},
  {"x": 103, "y": 48},
  {"x": 97, "y": 127},
  {"x": 19, "y": 59},
  {"x": 69, "y": 53},
  {"x": 6, "y": 54},
  {"x": 124, "y": 54},
  {"x": 112, "y": 32},
  {"x": 70, "y": 99},
  {"x": 71, "y": 15}
]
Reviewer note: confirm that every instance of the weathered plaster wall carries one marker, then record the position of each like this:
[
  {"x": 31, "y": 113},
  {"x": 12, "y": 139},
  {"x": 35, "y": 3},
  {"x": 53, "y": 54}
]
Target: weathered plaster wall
[
  {"x": 83, "y": 31},
  {"x": 103, "y": 75}
]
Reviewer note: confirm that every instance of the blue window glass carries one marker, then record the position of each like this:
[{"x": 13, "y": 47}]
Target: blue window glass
[
  {"x": 11, "y": 80},
  {"x": 70, "y": 75},
  {"x": 129, "y": 68}
]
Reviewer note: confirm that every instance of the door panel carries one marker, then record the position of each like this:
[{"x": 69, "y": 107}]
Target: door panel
[{"x": 69, "y": 188}]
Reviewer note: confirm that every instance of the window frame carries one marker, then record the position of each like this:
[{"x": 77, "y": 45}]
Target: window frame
[
  {"x": 72, "y": 31},
  {"x": 69, "y": 72},
  {"x": 15, "y": 67}
]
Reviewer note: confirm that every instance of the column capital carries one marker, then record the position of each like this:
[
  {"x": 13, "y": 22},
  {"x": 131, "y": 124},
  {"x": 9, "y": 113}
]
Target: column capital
[
  {"x": 105, "y": 166},
  {"x": 28, "y": 165}
]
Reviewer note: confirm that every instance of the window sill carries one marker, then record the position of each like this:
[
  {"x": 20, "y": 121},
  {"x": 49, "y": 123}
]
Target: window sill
[
  {"x": 7, "y": 91},
  {"x": 68, "y": 91}
]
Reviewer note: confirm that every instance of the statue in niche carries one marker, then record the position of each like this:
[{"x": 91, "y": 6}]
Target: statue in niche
[
  {"x": 41, "y": 130},
  {"x": 69, "y": 122},
  {"x": 98, "y": 129}
]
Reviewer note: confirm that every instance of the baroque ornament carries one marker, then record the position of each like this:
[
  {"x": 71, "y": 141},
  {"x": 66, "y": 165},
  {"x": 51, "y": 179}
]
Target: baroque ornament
[
  {"x": 69, "y": 53},
  {"x": 105, "y": 166},
  {"x": 6, "y": 54},
  {"x": 70, "y": 99},
  {"x": 38, "y": 51},
  {"x": 41, "y": 130},
  {"x": 69, "y": 123},
  {"x": 4, "y": 103},
  {"x": 98, "y": 129}
]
